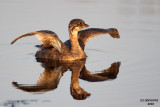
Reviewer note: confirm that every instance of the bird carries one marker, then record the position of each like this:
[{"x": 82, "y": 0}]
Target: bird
[{"x": 73, "y": 49}]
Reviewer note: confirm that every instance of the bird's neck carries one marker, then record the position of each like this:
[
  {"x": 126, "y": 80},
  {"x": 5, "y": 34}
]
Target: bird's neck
[
  {"x": 75, "y": 47},
  {"x": 74, "y": 40}
]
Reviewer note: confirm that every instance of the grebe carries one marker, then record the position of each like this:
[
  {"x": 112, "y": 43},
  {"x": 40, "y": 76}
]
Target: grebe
[{"x": 72, "y": 49}]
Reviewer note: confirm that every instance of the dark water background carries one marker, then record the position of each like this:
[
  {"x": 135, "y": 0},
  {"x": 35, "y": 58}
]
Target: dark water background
[{"x": 138, "y": 50}]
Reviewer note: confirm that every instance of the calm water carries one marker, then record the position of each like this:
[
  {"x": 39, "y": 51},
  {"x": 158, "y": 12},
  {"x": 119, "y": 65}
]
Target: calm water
[{"x": 138, "y": 50}]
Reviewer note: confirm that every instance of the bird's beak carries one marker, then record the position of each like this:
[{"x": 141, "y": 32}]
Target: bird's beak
[{"x": 86, "y": 26}]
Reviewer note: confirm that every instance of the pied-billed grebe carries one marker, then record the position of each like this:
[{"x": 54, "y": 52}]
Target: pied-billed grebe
[{"x": 72, "y": 49}]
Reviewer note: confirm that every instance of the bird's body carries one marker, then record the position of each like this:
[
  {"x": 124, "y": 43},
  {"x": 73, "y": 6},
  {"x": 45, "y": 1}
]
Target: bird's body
[{"x": 72, "y": 49}]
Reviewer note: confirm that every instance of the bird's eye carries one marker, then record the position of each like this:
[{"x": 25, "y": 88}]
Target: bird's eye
[{"x": 80, "y": 23}]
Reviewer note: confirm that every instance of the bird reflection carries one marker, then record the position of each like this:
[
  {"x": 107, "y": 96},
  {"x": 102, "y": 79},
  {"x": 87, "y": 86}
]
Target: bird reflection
[{"x": 54, "y": 70}]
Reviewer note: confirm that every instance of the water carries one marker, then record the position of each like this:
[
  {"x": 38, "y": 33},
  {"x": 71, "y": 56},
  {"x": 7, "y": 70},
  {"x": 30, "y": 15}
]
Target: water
[{"x": 137, "y": 50}]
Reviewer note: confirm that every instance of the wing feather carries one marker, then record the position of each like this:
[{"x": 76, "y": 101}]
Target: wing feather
[
  {"x": 85, "y": 35},
  {"x": 46, "y": 37}
]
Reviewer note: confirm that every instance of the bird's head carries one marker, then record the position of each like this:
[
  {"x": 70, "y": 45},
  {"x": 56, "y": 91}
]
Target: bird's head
[{"x": 76, "y": 25}]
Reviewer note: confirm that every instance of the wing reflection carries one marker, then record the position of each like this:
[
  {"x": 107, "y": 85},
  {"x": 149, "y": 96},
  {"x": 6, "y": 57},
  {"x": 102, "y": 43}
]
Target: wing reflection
[
  {"x": 54, "y": 70},
  {"x": 47, "y": 81},
  {"x": 109, "y": 73}
]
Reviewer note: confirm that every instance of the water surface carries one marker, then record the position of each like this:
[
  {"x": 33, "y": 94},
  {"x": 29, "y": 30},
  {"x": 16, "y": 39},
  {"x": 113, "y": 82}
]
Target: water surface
[{"x": 137, "y": 50}]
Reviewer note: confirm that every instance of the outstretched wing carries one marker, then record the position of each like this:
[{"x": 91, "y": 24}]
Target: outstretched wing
[
  {"x": 49, "y": 39},
  {"x": 87, "y": 34},
  {"x": 46, "y": 37},
  {"x": 24, "y": 35}
]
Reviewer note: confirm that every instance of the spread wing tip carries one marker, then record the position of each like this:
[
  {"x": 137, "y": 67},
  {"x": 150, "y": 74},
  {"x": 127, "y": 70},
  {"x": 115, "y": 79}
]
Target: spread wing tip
[
  {"x": 12, "y": 42},
  {"x": 114, "y": 33}
]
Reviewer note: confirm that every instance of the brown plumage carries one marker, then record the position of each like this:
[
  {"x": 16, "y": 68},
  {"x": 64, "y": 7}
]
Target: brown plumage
[
  {"x": 47, "y": 38},
  {"x": 72, "y": 49}
]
